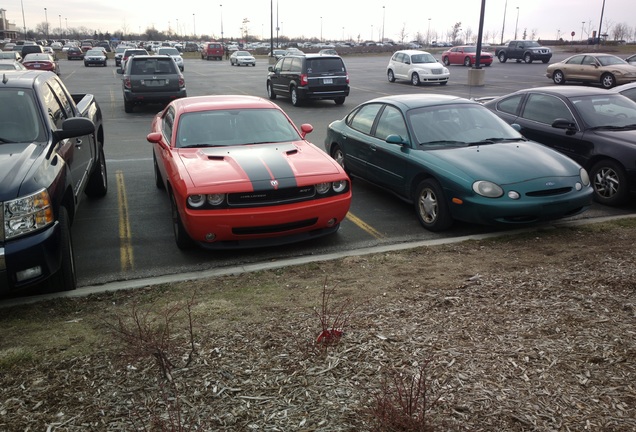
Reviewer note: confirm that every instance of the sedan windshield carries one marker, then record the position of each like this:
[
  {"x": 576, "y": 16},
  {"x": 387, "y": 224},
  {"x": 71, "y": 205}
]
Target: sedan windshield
[
  {"x": 611, "y": 110},
  {"x": 608, "y": 60},
  {"x": 459, "y": 125},
  {"x": 242, "y": 53},
  {"x": 98, "y": 53},
  {"x": 234, "y": 127}
]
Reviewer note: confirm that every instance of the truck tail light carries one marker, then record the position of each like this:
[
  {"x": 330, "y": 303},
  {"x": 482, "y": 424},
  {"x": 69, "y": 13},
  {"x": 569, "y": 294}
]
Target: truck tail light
[
  {"x": 303, "y": 79},
  {"x": 127, "y": 83},
  {"x": 347, "y": 78},
  {"x": 181, "y": 82}
]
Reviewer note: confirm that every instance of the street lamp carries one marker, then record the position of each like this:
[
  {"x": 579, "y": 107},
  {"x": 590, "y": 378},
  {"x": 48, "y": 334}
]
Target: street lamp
[
  {"x": 60, "y": 16},
  {"x": 517, "y": 24},
  {"x": 46, "y": 18},
  {"x": 177, "y": 33},
  {"x": 428, "y": 33},
  {"x": 321, "y": 29},
  {"x": 383, "y": 16},
  {"x": 221, "y": 6},
  {"x": 582, "y": 27},
  {"x": 503, "y": 27},
  {"x": 194, "y": 27}
]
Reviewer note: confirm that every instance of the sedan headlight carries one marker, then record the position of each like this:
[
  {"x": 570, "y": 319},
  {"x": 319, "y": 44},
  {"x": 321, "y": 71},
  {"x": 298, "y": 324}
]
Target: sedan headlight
[
  {"x": 26, "y": 214},
  {"x": 585, "y": 177},
  {"x": 487, "y": 189}
]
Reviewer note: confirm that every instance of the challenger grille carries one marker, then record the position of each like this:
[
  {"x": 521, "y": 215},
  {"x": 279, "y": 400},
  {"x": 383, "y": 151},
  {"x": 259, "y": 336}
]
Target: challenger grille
[
  {"x": 269, "y": 229},
  {"x": 271, "y": 197}
]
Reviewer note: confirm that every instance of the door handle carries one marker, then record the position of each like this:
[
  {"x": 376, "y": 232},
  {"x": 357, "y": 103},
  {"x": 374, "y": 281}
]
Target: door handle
[{"x": 78, "y": 143}]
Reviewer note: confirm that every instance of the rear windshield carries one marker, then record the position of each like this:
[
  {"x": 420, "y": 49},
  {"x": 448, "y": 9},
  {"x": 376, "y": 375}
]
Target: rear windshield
[
  {"x": 325, "y": 65},
  {"x": 152, "y": 66}
]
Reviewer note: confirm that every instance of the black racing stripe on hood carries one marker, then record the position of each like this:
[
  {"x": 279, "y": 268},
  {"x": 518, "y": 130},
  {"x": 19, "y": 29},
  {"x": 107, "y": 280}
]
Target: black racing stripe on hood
[{"x": 263, "y": 167}]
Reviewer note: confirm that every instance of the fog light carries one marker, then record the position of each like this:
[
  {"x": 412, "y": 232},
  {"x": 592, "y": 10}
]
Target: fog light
[
  {"x": 578, "y": 186},
  {"x": 514, "y": 195},
  {"x": 30, "y": 273},
  {"x": 210, "y": 237},
  {"x": 331, "y": 222}
]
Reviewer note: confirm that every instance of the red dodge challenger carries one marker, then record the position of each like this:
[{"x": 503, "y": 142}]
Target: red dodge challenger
[{"x": 240, "y": 174}]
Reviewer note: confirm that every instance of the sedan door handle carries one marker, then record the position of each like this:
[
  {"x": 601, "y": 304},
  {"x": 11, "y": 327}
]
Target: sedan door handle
[{"x": 78, "y": 143}]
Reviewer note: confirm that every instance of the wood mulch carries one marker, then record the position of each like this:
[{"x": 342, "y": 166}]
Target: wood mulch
[{"x": 534, "y": 333}]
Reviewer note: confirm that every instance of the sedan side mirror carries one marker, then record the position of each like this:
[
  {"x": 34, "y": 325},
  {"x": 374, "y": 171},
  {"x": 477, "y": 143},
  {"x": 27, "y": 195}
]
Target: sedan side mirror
[
  {"x": 395, "y": 139},
  {"x": 562, "y": 123}
]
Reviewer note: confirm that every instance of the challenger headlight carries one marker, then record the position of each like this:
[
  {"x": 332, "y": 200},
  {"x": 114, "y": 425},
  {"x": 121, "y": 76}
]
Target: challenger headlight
[
  {"x": 322, "y": 188},
  {"x": 26, "y": 214},
  {"x": 216, "y": 199},
  {"x": 196, "y": 201},
  {"x": 339, "y": 186},
  {"x": 487, "y": 189}
]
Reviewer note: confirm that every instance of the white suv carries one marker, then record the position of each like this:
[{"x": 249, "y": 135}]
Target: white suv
[
  {"x": 174, "y": 53},
  {"x": 417, "y": 67}
]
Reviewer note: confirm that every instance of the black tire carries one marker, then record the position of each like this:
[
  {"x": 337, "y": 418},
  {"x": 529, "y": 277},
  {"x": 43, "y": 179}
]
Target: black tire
[
  {"x": 270, "y": 91},
  {"x": 339, "y": 100},
  {"x": 608, "y": 80},
  {"x": 128, "y": 107},
  {"x": 446, "y": 61},
  {"x": 295, "y": 100},
  {"x": 390, "y": 76},
  {"x": 502, "y": 57},
  {"x": 609, "y": 181},
  {"x": 443, "y": 83},
  {"x": 97, "y": 185},
  {"x": 65, "y": 279},
  {"x": 415, "y": 79},
  {"x": 181, "y": 236},
  {"x": 467, "y": 62},
  {"x": 544, "y": 61},
  {"x": 527, "y": 58},
  {"x": 157, "y": 174},
  {"x": 431, "y": 206},
  {"x": 558, "y": 77}
]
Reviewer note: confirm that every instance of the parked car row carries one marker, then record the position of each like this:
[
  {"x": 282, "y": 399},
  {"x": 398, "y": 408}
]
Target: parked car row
[{"x": 452, "y": 158}]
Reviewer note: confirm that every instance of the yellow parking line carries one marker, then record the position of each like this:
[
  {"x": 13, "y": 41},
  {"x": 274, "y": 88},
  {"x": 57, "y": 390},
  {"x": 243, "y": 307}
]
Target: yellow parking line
[
  {"x": 125, "y": 243},
  {"x": 364, "y": 226}
]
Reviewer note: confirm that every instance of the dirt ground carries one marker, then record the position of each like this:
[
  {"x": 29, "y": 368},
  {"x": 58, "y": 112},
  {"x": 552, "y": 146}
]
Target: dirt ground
[{"x": 533, "y": 332}]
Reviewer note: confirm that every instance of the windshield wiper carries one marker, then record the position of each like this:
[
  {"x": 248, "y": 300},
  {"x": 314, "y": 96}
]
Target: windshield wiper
[
  {"x": 442, "y": 142},
  {"x": 201, "y": 145},
  {"x": 495, "y": 140},
  {"x": 613, "y": 127}
]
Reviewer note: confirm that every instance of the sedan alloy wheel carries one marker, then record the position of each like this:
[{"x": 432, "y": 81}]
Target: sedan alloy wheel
[{"x": 431, "y": 207}]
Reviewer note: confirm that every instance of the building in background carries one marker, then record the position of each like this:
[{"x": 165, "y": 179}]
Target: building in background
[{"x": 7, "y": 30}]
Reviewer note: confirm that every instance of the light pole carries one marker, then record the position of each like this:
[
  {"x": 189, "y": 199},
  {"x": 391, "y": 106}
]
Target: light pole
[
  {"x": 60, "y": 16},
  {"x": 428, "y": 33},
  {"x": 221, "y": 6},
  {"x": 517, "y": 24},
  {"x": 582, "y": 27},
  {"x": 503, "y": 27},
  {"x": 46, "y": 19},
  {"x": 320, "y": 29},
  {"x": 343, "y": 34},
  {"x": 177, "y": 32},
  {"x": 194, "y": 27},
  {"x": 66, "y": 20},
  {"x": 383, "y": 16}
]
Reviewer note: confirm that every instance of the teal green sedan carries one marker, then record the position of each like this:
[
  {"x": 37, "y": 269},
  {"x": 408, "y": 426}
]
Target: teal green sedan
[{"x": 456, "y": 160}]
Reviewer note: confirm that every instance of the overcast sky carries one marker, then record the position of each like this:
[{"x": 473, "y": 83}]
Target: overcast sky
[{"x": 331, "y": 19}]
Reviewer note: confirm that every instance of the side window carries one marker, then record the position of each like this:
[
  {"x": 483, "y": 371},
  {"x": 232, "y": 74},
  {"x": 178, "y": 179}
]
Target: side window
[
  {"x": 630, "y": 93},
  {"x": 391, "y": 122},
  {"x": 364, "y": 118},
  {"x": 545, "y": 109},
  {"x": 56, "y": 114},
  {"x": 296, "y": 65},
  {"x": 510, "y": 105},
  {"x": 576, "y": 59},
  {"x": 286, "y": 67},
  {"x": 166, "y": 125},
  {"x": 63, "y": 98}
]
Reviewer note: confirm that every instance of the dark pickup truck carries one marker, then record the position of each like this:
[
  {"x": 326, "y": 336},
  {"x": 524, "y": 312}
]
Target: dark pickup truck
[
  {"x": 51, "y": 153},
  {"x": 525, "y": 50}
]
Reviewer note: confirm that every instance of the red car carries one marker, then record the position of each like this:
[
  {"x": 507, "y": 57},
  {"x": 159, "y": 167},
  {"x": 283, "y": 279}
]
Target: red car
[
  {"x": 466, "y": 55},
  {"x": 240, "y": 174},
  {"x": 41, "y": 61}
]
